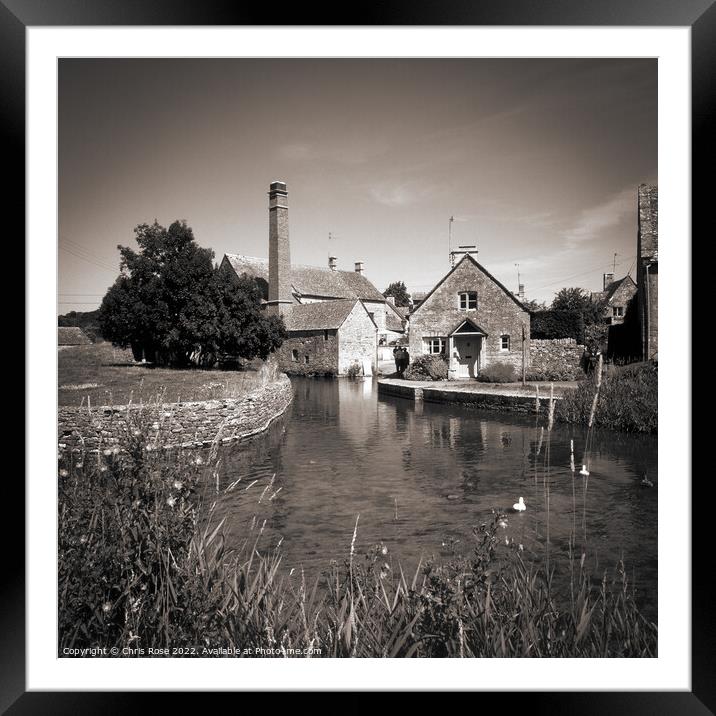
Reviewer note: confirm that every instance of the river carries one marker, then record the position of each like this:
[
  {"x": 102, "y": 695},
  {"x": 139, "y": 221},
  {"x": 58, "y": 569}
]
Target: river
[{"x": 421, "y": 476}]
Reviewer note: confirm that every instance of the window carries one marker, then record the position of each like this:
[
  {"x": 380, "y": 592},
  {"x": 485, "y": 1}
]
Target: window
[
  {"x": 305, "y": 359},
  {"x": 504, "y": 342},
  {"x": 618, "y": 311},
  {"x": 468, "y": 300},
  {"x": 435, "y": 345},
  {"x": 325, "y": 335},
  {"x": 294, "y": 355}
]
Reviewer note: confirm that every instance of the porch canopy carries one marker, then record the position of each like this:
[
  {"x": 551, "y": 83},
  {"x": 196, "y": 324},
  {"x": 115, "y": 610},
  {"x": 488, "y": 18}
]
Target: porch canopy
[{"x": 467, "y": 327}]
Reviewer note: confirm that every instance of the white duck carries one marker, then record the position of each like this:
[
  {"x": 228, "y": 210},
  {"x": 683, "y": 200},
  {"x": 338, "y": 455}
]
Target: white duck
[{"x": 520, "y": 505}]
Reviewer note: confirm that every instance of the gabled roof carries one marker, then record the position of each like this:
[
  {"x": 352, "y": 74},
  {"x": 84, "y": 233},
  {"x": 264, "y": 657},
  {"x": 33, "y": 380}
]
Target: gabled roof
[
  {"x": 72, "y": 336},
  {"x": 395, "y": 317},
  {"x": 320, "y": 316},
  {"x": 470, "y": 325},
  {"x": 311, "y": 280},
  {"x": 614, "y": 286},
  {"x": 468, "y": 257}
]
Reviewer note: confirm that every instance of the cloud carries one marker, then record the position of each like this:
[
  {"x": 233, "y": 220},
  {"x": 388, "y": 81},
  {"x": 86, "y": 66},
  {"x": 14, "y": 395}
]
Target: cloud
[
  {"x": 593, "y": 222},
  {"x": 396, "y": 194}
]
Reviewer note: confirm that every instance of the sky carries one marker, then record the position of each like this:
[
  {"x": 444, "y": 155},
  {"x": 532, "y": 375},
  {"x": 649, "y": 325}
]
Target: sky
[{"x": 537, "y": 160}]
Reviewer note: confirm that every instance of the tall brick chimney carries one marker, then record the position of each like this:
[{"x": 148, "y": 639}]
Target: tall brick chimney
[
  {"x": 332, "y": 263},
  {"x": 359, "y": 267},
  {"x": 280, "y": 298},
  {"x": 608, "y": 279}
]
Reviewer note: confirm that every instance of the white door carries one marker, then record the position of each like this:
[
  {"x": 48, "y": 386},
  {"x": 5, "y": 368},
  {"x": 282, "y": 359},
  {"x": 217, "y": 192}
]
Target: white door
[{"x": 468, "y": 352}]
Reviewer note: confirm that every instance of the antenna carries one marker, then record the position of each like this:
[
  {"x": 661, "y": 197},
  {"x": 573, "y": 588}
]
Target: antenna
[
  {"x": 614, "y": 266},
  {"x": 518, "y": 277},
  {"x": 452, "y": 258}
]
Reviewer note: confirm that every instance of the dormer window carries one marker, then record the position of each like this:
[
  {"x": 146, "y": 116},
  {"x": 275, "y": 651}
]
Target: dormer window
[{"x": 467, "y": 300}]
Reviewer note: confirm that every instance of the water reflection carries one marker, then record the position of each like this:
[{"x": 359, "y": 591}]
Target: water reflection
[{"x": 422, "y": 478}]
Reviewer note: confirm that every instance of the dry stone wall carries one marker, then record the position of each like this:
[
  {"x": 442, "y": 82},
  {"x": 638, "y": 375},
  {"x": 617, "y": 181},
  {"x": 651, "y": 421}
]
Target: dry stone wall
[
  {"x": 187, "y": 424},
  {"x": 555, "y": 359}
]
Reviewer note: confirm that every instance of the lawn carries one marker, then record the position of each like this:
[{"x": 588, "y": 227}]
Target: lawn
[{"x": 108, "y": 376}]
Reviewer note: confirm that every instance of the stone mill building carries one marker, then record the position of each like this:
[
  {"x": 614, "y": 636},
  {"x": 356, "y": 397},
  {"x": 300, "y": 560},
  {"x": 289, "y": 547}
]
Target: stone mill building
[{"x": 334, "y": 318}]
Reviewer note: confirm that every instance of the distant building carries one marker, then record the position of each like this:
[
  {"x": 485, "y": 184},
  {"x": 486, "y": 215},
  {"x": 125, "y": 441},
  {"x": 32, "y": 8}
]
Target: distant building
[
  {"x": 647, "y": 273},
  {"x": 334, "y": 318},
  {"x": 72, "y": 336},
  {"x": 471, "y": 319},
  {"x": 615, "y": 298}
]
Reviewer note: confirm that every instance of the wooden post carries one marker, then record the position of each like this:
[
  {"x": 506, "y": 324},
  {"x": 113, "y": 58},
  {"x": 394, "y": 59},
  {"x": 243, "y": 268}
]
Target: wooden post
[{"x": 523, "y": 356}]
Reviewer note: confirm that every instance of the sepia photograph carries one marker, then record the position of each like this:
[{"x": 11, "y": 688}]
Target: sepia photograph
[{"x": 357, "y": 358}]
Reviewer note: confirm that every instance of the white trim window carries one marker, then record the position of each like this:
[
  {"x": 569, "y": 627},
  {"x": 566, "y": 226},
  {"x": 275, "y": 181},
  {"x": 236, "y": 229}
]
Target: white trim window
[
  {"x": 618, "y": 311},
  {"x": 504, "y": 342},
  {"x": 467, "y": 300},
  {"x": 434, "y": 346}
]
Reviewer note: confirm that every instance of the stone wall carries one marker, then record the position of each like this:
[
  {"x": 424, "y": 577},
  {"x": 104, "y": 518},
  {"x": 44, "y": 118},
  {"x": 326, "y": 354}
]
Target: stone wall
[
  {"x": 186, "y": 424},
  {"x": 316, "y": 352},
  {"x": 555, "y": 359}
]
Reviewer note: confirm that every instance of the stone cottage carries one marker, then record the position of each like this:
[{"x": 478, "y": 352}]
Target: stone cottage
[
  {"x": 647, "y": 270},
  {"x": 471, "y": 319},
  {"x": 334, "y": 318},
  {"x": 615, "y": 298}
]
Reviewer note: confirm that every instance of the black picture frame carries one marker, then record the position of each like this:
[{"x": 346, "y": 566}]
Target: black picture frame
[{"x": 699, "y": 15}]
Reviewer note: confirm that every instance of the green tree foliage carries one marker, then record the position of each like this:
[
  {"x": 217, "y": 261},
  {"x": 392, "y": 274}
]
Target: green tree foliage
[
  {"x": 86, "y": 320},
  {"x": 399, "y": 292},
  {"x": 174, "y": 307},
  {"x": 557, "y": 324},
  {"x": 577, "y": 300}
]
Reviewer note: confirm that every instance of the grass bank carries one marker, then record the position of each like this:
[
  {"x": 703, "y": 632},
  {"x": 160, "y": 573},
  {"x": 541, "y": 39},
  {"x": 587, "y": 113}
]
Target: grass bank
[
  {"x": 141, "y": 566},
  {"x": 628, "y": 399},
  {"x": 106, "y": 375}
]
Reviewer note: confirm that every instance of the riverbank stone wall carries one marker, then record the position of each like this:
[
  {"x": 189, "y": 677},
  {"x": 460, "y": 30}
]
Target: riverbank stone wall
[{"x": 186, "y": 424}]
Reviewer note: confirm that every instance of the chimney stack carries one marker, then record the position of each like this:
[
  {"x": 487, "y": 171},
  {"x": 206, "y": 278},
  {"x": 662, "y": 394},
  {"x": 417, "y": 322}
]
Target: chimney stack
[
  {"x": 359, "y": 267},
  {"x": 521, "y": 292},
  {"x": 608, "y": 278},
  {"x": 457, "y": 254},
  {"x": 332, "y": 263},
  {"x": 280, "y": 297}
]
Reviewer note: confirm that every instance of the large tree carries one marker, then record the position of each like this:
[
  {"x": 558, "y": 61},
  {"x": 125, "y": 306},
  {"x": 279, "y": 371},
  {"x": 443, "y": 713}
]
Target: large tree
[
  {"x": 173, "y": 306},
  {"x": 399, "y": 292},
  {"x": 578, "y": 301}
]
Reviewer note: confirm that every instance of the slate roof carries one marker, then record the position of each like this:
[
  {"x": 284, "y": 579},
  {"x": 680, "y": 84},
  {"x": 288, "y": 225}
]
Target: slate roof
[
  {"x": 320, "y": 316},
  {"x": 312, "y": 280},
  {"x": 611, "y": 289},
  {"x": 72, "y": 336},
  {"x": 395, "y": 317}
]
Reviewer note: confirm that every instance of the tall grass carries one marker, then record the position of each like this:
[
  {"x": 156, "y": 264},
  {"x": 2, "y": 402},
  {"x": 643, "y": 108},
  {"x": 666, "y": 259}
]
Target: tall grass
[
  {"x": 628, "y": 400},
  {"x": 143, "y": 564}
]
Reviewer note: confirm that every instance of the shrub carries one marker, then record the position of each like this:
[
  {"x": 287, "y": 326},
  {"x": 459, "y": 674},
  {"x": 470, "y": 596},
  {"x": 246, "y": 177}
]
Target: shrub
[
  {"x": 354, "y": 370},
  {"x": 628, "y": 399},
  {"x": 498, "y": 373},
  {"x": 430, "y": 367}
]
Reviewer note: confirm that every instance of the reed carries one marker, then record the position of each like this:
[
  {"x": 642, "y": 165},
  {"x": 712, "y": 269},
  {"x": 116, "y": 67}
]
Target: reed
[{"x": 143, "y": 563}]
